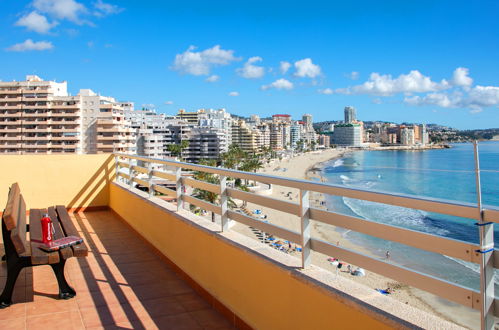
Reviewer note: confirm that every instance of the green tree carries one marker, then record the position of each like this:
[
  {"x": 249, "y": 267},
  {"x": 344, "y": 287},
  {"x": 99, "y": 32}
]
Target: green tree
[
  {"x": 233, "y": 157},
  {"x": 176, "y": 149},
  {"x": 206, "y": 195}
]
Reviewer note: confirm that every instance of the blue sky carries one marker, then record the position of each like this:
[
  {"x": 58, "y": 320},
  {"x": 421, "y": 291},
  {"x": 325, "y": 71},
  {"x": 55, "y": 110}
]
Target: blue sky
[{"x": 415, "y": 61}]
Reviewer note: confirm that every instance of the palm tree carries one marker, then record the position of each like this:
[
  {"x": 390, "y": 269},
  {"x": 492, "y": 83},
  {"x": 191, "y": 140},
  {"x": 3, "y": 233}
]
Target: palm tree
[
  {"x": 252, "y": 164},
  {"x": 205, "y": 195},
  {"x": 299, "y": 145},
  {"x": 233, "y": 157},
  {"x": 176, "y": 149}
]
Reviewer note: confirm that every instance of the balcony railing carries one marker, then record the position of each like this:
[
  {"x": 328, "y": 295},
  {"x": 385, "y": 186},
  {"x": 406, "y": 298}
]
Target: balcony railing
[{"x": 482, "y": 254}]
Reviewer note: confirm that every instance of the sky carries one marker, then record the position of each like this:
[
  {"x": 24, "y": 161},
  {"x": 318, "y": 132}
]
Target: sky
[{"x": 399, "y": 61}]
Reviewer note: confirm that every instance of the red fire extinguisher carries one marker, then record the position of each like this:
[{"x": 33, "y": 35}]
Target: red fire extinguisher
[{"x": 47, "y": 229}]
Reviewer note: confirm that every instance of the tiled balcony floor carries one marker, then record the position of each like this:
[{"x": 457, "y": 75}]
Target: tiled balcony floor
[{"x": 122, "y": 284}]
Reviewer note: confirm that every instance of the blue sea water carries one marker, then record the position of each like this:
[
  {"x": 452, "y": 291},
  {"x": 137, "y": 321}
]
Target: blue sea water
[{"x": 439, "y": 173}]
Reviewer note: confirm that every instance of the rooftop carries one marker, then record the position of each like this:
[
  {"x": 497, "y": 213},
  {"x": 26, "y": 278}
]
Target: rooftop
[
  {"x": 151, "y": 261},
  {"x": 118, "y": 285}
]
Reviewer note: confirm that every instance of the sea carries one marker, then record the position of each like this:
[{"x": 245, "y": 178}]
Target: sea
[{"x": 438, "y": 173}]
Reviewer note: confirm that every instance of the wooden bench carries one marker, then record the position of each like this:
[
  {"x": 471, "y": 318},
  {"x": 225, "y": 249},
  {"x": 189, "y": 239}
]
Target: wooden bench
[{"x": 21, "y": 252}]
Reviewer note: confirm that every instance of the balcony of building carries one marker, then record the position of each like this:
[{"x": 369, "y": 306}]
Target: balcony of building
[
  {"x": 8, "y": 106},
  {"x": 37, "y": 138},
  {"x": 9, "y": 92},
  {"x": 10, "y": 99},
  {"x": 10, "y": 129},
  {"x": 36, "y": 106},
  {"x": 10, "y": 137},
  {"x": 5, "y": 113},
  {"x": 9, "y": 145},
  {"x": 154, "y": 264},
  {"x": 41, "y": 113}
]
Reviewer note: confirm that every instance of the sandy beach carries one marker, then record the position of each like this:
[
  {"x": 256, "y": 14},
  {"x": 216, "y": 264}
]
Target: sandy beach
[{"x": 309, "y": 166}]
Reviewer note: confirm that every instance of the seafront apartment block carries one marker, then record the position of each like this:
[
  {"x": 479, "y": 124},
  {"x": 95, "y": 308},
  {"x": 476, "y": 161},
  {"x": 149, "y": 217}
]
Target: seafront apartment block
[{"x": 38, "y": 116}]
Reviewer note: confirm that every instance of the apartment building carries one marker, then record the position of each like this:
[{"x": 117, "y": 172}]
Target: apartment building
[
  {"x": 219, "y": 119},
  {"x": 205, "y": 143},
  {"x": 407, "y": 136},
  {"x": 191, "y": 117},
  {"x": 296, "y": 134},
  {"x": 348, "y": 135},
  {"x": 246, "y": 137},
  {"x": 104, "y": 128},
  {"x": 38, "y": 116}
]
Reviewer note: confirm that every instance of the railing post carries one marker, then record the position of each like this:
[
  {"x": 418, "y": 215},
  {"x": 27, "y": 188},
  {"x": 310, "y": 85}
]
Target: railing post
[
  {"x": 305, "y": 228},
  {"x": 486, "y": 232},
  {"x": 224, "y": 219},
  {"x": 130, "y": 173},
  {"x": 178, "y": 181},
  {"x": 116, "y": 168},
  {"x": 149, "y": 180}
]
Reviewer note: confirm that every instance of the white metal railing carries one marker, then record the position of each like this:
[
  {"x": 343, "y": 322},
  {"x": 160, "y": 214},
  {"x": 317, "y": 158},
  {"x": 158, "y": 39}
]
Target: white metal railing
[{"x": 482, "y": 254}]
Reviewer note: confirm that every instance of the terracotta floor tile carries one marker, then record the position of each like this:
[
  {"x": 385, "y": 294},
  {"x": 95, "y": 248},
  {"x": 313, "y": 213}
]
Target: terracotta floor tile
[
  {"x": 15, "y": 311},
  {"x": 180, "y": 321},
  {"x": 210, "y": 319},
  {"x": 117, "y": 288},
  {"x": 49, "y": 304},
  {"x": 13, "y": 324},
  {"x": 192, "y": 302},
  {"x": 108, "y": 315},
  {"x": 162, "y": 306},
  {"x": 62, "y": 320}
]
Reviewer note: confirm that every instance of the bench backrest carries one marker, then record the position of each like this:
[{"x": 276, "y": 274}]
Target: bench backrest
[{"x": 14, "y": 218}]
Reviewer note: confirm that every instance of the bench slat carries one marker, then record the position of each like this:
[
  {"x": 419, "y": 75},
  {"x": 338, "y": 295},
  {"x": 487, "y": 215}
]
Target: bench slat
[
  {"x": 18, "y": 234},
  {"x": 66, "y": 252},
  {"x": 79, "y": 250},
  {"x": 39, "y": 257},
  {"x": 12, "y": 208}
]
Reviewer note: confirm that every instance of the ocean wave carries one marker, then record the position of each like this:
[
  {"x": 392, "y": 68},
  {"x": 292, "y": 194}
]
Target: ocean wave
[
  {"x": 338, "y": 162},
  {"x": 474, "y": 267},
  {"x": 392, "y": 215},
  {"x": 344, "y": 178}
]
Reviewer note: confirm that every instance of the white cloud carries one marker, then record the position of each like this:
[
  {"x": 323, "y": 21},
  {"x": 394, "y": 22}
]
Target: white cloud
[
  {"x": 36, "y": 22},
  {"x": 284, "y": 67},
  {"x": 251, "y": 71},
  {"x": 213, "y": 78},
  {"x": 305, "y": 68},
  {"x": 483, "y": 96},
  {"x": 169, "y": 102},
  {"x": 279, "y": 84},
  {"x": 385, "y": 85},
  {"x": 461, "y": 78},
  {"x": 326, "y": 91},
  {"x": 440, "y": 99},
  {"x": 200, "y": 63},
  {"x": 106, "y": 9},
  {"x": 29, "y": 45},
  {"x": 476, "y": 98},
  {"x": 234, "y": 94},
  {"x": 354, "y": 75},
  {"x": 62, "y": 9},
  {"x": 376, "y": 101}
]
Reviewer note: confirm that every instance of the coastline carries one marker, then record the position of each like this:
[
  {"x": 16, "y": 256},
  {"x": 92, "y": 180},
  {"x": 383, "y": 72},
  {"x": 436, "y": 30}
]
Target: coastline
[{"x": 309, "y": 167}]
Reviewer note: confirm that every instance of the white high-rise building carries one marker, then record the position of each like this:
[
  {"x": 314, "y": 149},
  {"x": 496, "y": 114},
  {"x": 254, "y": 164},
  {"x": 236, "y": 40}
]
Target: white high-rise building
[
  {"x": 350, "y": 115},
  {"x": 407, "y": 136},
  {"x": 295, "y": 132}
]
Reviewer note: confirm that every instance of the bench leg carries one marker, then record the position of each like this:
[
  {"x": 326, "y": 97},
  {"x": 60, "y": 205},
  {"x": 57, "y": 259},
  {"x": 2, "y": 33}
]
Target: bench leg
[
  {"x": 13, "y": 271},
  {"x": 65, "y": 291}
]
